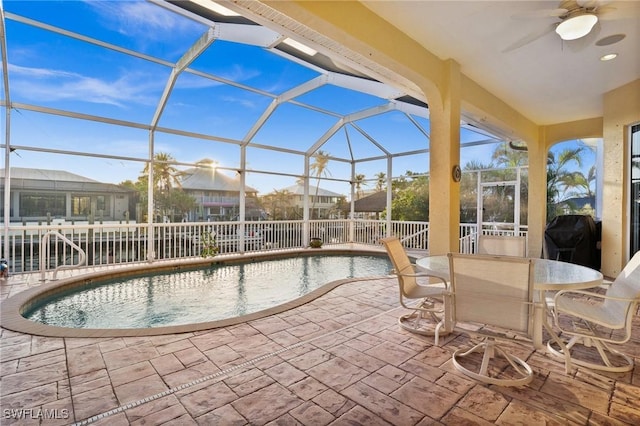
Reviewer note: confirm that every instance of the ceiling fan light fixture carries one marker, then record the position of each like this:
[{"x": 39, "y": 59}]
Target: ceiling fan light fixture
[{"x": 576, "y": 26}]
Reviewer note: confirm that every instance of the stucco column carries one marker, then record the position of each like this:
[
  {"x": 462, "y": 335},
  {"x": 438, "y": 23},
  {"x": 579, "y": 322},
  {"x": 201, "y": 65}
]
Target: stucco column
[
  {"x": 620, "y": 111},
  {"x": 537, "y": 201},
  {"x": 444, "y": 148}
]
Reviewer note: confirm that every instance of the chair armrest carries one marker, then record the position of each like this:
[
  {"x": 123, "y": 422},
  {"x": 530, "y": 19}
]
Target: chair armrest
[
  {"x": 600, "y": 296},
  {"x": 422, "y": 275}
]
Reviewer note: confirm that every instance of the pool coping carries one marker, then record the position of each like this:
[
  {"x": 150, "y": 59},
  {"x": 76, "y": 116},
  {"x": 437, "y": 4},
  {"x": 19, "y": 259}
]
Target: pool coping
[{"x": 11, "y": 308}]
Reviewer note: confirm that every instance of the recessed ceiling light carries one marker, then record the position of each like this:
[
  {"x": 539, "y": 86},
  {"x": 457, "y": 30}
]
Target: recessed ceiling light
[
  {"x": 299, "y": 46},
  {"x": 215, "y": 7},
  {"x": 608, "y": 41},
  {"x": 609, "y": 56}
]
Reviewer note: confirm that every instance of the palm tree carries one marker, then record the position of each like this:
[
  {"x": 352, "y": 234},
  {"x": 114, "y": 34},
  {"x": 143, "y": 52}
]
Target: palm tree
[
  {"x": 319, "y": 169},
  {"x": 359, "y": 182},
  {"x": 165, "y": 176},
  {"x": 381, "y": 180},
  {"x": 559, "y": 180},
  {"x": 505, "y": 156}
]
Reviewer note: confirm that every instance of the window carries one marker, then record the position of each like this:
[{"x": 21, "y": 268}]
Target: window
[
  {"x": 38, "y": 205},
  {"x": 634, "y": 213},
  {"x": 80, "y": 205}
]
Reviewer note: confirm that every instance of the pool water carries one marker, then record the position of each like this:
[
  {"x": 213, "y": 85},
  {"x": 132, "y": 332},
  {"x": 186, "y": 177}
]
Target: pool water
[{"x": 200, "y": 295}]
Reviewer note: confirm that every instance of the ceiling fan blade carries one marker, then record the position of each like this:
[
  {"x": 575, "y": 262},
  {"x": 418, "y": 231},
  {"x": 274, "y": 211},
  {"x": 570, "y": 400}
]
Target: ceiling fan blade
[
  {"x": 541, "y": 13},
  {"x": 530, "y": 38},
  {"x": 590, "y": 4},
  {"x": 622, "y": 10}
]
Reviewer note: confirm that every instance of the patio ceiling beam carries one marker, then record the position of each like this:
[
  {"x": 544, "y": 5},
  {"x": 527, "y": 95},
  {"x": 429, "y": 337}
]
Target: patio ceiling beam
[
  {"x": 371, "y": 87},
  {"x": 254, "y": 35},
  {"x": 411, "y": 109}
]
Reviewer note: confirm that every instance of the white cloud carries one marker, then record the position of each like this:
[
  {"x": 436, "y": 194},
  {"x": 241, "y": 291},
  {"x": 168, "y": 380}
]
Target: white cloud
[{"x": 42, "y": 84}]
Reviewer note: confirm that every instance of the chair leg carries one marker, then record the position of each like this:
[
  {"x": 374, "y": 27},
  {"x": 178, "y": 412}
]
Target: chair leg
[
  {"x": 563, "y": 351},
  {"x": 422, "y": 320},
  {"x": 604, "y": 350},
  {"x": 491, "y": 350}
]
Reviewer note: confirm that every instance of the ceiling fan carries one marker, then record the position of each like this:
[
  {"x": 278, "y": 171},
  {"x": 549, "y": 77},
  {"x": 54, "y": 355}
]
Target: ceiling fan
[{"x": 577, "y": 20}]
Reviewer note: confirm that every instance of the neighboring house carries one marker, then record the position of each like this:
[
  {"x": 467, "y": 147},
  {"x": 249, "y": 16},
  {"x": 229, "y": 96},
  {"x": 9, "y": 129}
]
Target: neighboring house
[
  {"x": 322, "y": 206},
  {"x": 576, "y": 204},
  {"x": 217, "y": 195},
  {"x": 40, "y": 195},
  {"x": 370, "y": 206}
]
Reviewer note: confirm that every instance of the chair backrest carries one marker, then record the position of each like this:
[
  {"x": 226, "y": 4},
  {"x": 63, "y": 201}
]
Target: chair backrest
[
  {"x": 507, "y": 245},
  {"x": 626, "y": 285},
  {"x": 492, "y": 290},
  {"x": 401, "y": 264}
]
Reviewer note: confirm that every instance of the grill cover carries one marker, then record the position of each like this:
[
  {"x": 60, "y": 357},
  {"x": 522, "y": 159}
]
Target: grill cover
[{"x": 574, "y": 239}]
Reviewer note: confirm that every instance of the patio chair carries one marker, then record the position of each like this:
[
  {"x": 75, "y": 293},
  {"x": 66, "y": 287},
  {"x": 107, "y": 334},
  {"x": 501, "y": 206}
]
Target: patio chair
[
  {"x": 502, "y": 245},
  {"x": 491, "y": 298},
  {"x": 423, "y": 289},
  {"x": 598, "y": 320}
]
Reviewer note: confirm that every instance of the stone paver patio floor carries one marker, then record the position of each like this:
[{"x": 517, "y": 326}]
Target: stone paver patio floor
[{"x": 340, "y": 359}]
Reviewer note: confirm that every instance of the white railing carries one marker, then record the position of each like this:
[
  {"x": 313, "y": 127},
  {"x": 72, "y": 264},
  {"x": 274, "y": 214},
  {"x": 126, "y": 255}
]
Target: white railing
[
  {"x": 469, "y": 234},
  {"x": 122, "y": 243}
]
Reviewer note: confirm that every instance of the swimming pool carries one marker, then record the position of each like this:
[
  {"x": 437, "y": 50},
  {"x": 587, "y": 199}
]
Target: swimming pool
[{"x": 190, "y": 296}]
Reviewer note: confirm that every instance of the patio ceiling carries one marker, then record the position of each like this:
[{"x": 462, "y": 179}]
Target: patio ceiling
[{"x": 510, "y": 48}]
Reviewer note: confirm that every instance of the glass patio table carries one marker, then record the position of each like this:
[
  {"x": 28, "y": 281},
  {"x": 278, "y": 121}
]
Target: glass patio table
[{"x": 549, "y": 275}]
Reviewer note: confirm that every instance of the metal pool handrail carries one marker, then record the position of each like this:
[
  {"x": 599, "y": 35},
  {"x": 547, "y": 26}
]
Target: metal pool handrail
[{"x": 45, "y": 251}]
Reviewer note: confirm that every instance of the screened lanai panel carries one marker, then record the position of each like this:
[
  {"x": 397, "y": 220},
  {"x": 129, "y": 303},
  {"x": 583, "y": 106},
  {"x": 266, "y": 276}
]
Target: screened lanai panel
[
  {"x": 252, "y": 66},
  {"x": 191, "y": 150},
  {"x": 56, "y": 71},
  {"x": 411, "y": 164},
  {"x": 44, "y": 131},
  {"x": 349, "y": 143},
  {"x": 395, "y": 132},
  {"x": 375, "y": 174},
  {"x": 136, "y": 25},
  {"x": 339, "y": 99},
  {"x": 274, "y": 161},
  {"x": 205, "y": 106},
  {"x": 294, "y": 127}
]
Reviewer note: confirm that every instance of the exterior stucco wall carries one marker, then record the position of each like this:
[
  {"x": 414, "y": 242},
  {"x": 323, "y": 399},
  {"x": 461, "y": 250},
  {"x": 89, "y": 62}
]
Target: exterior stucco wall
[{"x": 621, "y": 110}]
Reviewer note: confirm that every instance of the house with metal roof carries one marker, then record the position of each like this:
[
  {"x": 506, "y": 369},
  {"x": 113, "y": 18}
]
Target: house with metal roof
[
  {"x": 217, "y": 194},
  {"x": 45, "y": 195}
]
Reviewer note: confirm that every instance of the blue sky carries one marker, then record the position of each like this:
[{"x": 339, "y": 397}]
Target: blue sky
[{"x": 62, "y": 73}]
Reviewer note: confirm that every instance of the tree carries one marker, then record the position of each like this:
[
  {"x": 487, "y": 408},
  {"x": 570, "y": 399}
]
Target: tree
[
  {"x": 359, "y": 182},
  {"x": 508, "y": 157},
  {"x": 411, "y": 200},
  {"x": 319, "y": 169},
  {"x": 381, "y": 181},
  {"x": 165, "y": 175},
  {"x": 279, "y": 205},
  {"x": 561, "y": 181},
  {"x": 165, "y": 179}
]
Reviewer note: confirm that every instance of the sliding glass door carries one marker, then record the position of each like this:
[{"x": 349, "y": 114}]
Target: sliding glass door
[{"x": 634, "y": 214}]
